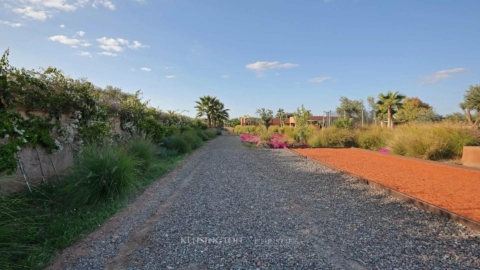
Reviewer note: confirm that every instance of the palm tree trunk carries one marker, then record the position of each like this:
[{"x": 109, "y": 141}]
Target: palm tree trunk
[
  {"x": 390, "y": 118},
  {"x": 209, "y": 121}
]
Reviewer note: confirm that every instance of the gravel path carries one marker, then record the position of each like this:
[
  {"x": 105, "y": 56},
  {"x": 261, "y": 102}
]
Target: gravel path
[{"x": 231, "y": 207}]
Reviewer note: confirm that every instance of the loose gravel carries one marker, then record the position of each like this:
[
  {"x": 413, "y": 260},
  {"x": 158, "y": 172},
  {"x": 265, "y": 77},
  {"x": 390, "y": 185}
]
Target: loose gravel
[{"x": 231, "y": 207}]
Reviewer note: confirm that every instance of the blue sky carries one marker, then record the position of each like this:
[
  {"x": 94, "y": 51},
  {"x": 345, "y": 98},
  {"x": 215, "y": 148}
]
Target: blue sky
[{"x": 253, "y": 54}]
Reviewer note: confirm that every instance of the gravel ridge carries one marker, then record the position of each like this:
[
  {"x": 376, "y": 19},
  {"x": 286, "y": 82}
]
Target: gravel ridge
[{"x": 231, "y": 207}]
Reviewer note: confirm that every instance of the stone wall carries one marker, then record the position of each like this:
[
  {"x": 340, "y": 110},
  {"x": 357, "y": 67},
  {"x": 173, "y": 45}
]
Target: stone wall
[{"x": 34, "y": 163}]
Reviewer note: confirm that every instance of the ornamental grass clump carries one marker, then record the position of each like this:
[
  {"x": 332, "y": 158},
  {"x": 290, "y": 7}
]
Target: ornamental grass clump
[
  {"x": 192, "y": 139},
  {"x": 143, "y": 150},
  {"x": 177, "y": 142},
  {"x": 373, "y": 138},
  {"x": 106, "y": 172},
  {"x": 333, "y": 137},
  {"x": 434, "y": 142},
  {"x": 211, "y": 133}
]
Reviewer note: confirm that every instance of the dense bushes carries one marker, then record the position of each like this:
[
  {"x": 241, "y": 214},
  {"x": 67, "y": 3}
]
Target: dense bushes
[
  {"x": 427, "y": 141},
  {"x": 188, "y": 141},
  {"x": 54, "y": 216}
]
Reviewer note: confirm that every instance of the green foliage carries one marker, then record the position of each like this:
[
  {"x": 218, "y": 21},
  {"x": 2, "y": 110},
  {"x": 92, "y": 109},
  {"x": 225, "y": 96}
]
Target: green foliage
[
  {"x": 153, "y": 129},
  {"x": 192, "y": 139},
  {"x": 388, "y": 105},
  {"x": 373, "y": 138},
  {"x": 351, "y": 108},
  {"x": 102, "y": 173},
  {"x": 301, "y": 122},
  {"x": 96, "y": 132},
  {"x": 415, "y": 110},
  {"x": 163, "y": 152},
  {"x": 266, "y": 115},
  {"x": 35, "y": 227},
  {"x": 343, "y": 123},
  {"x": 472, "y": 103},
  {"x": 144, "y": 152},
  {"x": 432, "y": 142},
  {"x": 273, "y": 129},
  {"x": 211, "y": 133},
  {"x": 457, "y": 118},
  {"x": 333, "y": 137},
  {"x": 213, "y": 109},
  {"x": 235, "y": 122},
  {"x": 18, "y": 133},
  {"x": 178, "y": 143},
  {"x": 171, "y": 130}
]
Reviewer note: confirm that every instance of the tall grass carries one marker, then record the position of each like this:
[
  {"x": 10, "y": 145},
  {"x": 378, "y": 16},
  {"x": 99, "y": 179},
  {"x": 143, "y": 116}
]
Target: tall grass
[
  {"x": 35, "y": 226},
  {"x": 332, "y": 137},
  {"x": 103, "y": 173},
  {"x": 434, "y": 142},
  {"x": 144, "y": 152},
  {"x": 373, "y": 138}
]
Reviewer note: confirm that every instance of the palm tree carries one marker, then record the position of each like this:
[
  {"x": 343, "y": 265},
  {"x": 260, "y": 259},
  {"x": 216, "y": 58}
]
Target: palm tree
[
  {"x": 219, "y": 113},
  {"x": 281, "y": 115},
  {"x": 389, "y": 103},
  {"x": 205, "y": 108}
]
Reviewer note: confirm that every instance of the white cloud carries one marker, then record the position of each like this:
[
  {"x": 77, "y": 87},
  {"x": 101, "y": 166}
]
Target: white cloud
[
  {"x": 141, "y": 1},
  {"x": 69, "y": 41},
  {"x": 119, "y": 44},
  {"x": 11, "y": 24},
  {"x": 84, "y": 54},
  {"x": 111, "y": 44},
  {"x": 105, "y": 3},
  {"x": 168, "y": 67},
  {"x": 441, "y": 75},
  {"x": 146, "y": 69},
  {"x": 137, "y": 45},
  {"x": 170, "y": 76},
  {"x": 320, "y": 79},
  {"x": 43, "y": 9},
  {"x": 108, "y": 54},
  {"x": 226, "y": 76},
  {"x": 28, "y": 12},
  {"x": 81, "y": 33},
  {"x": 62, "y": 26},
  {"x": 261, "y": 66}
]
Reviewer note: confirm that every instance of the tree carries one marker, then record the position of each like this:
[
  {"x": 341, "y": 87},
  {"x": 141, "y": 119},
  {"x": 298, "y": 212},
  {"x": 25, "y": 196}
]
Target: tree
[
  {"x": 266, "y": 115},
  {"x": 415, "y": 110},
  {"x": 389, "y": 103},
  {"x": 456, "y": 118},
  {"x": 219, "y": 113},
  {"x": 205, "y": 107},
  {"x": 471, "y": 102},
  {"x": 235, "y": 122},
  {"x": 350, "y": 108},
  {"x": 282, "y": 116},
  {"x": 301, "y": 122}
]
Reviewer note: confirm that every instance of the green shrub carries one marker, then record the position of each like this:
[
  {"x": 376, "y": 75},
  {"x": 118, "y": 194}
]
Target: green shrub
[
  {"x": 153, "y": 129},
  {"x": 332, "y": 137},
  {"x": 143, "y": 150},
  {"x": 211, "y": 133},
  {"x": 186, "y": 128},
  {"x": 265, "y": 136},
  {"x": 202, "y": 134},
  {"x": 102, "y": 173},
  {"x": 178, "y": 143},
  {"x": 171, "y": 130},
  {"x": 273, "y": 129},
  {"x": 434, "y": 142},
  {"x": 192, "y": 139},
  {"x": 373, "y": 138},
  {"x": 343, "y": 123},
  {"x": 163, "y": 152},
  {"x": 219, "y": 132}
]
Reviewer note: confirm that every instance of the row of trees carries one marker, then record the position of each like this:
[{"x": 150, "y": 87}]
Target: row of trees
[
  {"x": 213, "y": 109},
  {"x": 395, "y": 107}
]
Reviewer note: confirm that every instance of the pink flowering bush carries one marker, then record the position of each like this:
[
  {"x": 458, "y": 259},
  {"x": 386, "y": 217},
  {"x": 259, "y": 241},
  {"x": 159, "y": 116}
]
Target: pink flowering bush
[
  {"x": 384, "y": 150},
  {"x": 277, "y": 141}
]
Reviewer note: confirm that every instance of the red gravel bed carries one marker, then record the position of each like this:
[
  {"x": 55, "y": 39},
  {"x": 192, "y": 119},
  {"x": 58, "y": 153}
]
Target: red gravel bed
[{"x": 451, "y": 188}]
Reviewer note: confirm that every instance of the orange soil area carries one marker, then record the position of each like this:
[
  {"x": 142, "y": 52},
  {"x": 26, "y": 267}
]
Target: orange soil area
[{"x": 454, "y": 189}]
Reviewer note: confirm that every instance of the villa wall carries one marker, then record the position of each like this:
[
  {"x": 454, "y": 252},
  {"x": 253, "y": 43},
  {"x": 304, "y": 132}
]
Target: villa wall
[{"x": 34, "y": 163}]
